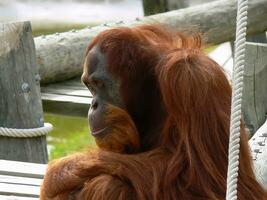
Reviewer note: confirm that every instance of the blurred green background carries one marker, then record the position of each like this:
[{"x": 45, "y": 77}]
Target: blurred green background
[{"x": 70, "y": 134}]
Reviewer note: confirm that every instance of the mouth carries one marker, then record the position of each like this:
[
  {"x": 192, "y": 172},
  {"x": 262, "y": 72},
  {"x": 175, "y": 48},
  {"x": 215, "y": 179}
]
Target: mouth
[{"x": 98, "y": 132}]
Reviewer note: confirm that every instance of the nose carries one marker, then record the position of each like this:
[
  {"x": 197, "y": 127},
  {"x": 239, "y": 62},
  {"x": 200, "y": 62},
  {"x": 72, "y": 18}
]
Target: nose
[{"x": 94, "y": 104}]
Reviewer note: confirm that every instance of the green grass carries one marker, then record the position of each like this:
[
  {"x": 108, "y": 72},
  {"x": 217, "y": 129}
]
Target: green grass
[{"x": 70, "y": 135}]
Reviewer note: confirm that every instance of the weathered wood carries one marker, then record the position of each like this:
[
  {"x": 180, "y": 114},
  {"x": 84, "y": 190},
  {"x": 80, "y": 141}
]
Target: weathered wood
[
  {"x": 154, "y": 6},
  {"x": 260, "y": 38},
  {"x": 69, "y": 98},
  {"x": 20, "y": 179},
  {"x": 22, "y": 169},
  {"x": 12, "y": 197},
  {"x": 254, "y": 101},
  {"x": 177, "y": 4},
  {"x": 19, "y": 190},
  {"x": 20, "y": 101},
  {"x": 60, "y": 56}
]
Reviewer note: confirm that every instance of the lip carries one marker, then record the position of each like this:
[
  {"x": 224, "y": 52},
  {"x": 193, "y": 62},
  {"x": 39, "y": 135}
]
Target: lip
[{"x": 98, "y": 132}]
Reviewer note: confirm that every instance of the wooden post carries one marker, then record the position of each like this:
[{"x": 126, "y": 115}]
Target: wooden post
[
  {"x": 152, "y": 7},
  {"x": 254, "y": 101},
  {"x": 20, "y": 101}
]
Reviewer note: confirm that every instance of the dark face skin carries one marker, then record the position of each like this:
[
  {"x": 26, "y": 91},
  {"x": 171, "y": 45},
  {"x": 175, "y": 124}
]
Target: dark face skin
[{"x": 104, "y": 88}]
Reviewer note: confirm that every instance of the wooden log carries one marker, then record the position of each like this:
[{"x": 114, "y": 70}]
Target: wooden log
[
  {"x": 20, "y": 101},
  {"x": 254, "y": 100},
  {"x": 60, "y": 56}
]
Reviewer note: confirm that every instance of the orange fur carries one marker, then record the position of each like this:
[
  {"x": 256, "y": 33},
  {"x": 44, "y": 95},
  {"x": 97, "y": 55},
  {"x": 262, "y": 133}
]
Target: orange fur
[{"x": 187, "y": 159}]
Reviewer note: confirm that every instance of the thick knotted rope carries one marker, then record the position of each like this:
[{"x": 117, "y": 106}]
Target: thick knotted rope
[
  {"x": 24, "y": 133},
  {"x": 239, "y": 61}
]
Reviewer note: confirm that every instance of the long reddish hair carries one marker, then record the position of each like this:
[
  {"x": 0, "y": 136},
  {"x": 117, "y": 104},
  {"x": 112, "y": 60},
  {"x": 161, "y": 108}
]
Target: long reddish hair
[{"x": 176, "y": 145}]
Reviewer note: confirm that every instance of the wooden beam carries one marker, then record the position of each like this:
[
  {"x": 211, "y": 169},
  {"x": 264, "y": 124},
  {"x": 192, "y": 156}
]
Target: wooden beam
[
  {"x": 60, "y": 56},
  {"x": 20, "y": 100},
  {"x": 254, "y": 101},
  {"x": 22, "y": 169},
  {"x": 12, "y": 197}
]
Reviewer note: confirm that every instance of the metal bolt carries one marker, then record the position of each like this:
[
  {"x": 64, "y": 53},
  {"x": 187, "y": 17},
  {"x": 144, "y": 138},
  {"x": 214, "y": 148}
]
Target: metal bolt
[
  {"x": 37, "y": 77},
  {"x": 264, "y": 135},
  {"x": 43, "y": 36},
  {"x": 137, "y": 19},
  {"x": 25, "y": 87}
]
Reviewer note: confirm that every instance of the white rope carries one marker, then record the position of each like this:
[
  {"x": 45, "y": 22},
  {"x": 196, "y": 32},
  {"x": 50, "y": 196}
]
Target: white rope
[
  {"x": 30, "y": 132},
  {"x": 234, "y": 139}
]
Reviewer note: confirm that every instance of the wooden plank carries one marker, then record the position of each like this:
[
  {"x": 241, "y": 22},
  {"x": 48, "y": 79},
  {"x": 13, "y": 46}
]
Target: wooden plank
[
  {"x": 73, "y": 82},
  {"x": 258, "y": 145},
  {"x": 69, "y": 98},
  {"x": 254, "y": 101},
  {"x": 66, "y": 91},
  {"x": 20, "y": 100},
  {"x": 66, "y": 105},
  {"x": 20, "y": 180},
  {"x": 11, "y": 197},
  {"x": 66, "y": 98},
  {"x": 19, "y": 190},
  {"x": 22, "y": 169},
  {"x": 154, "y": 6}
]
